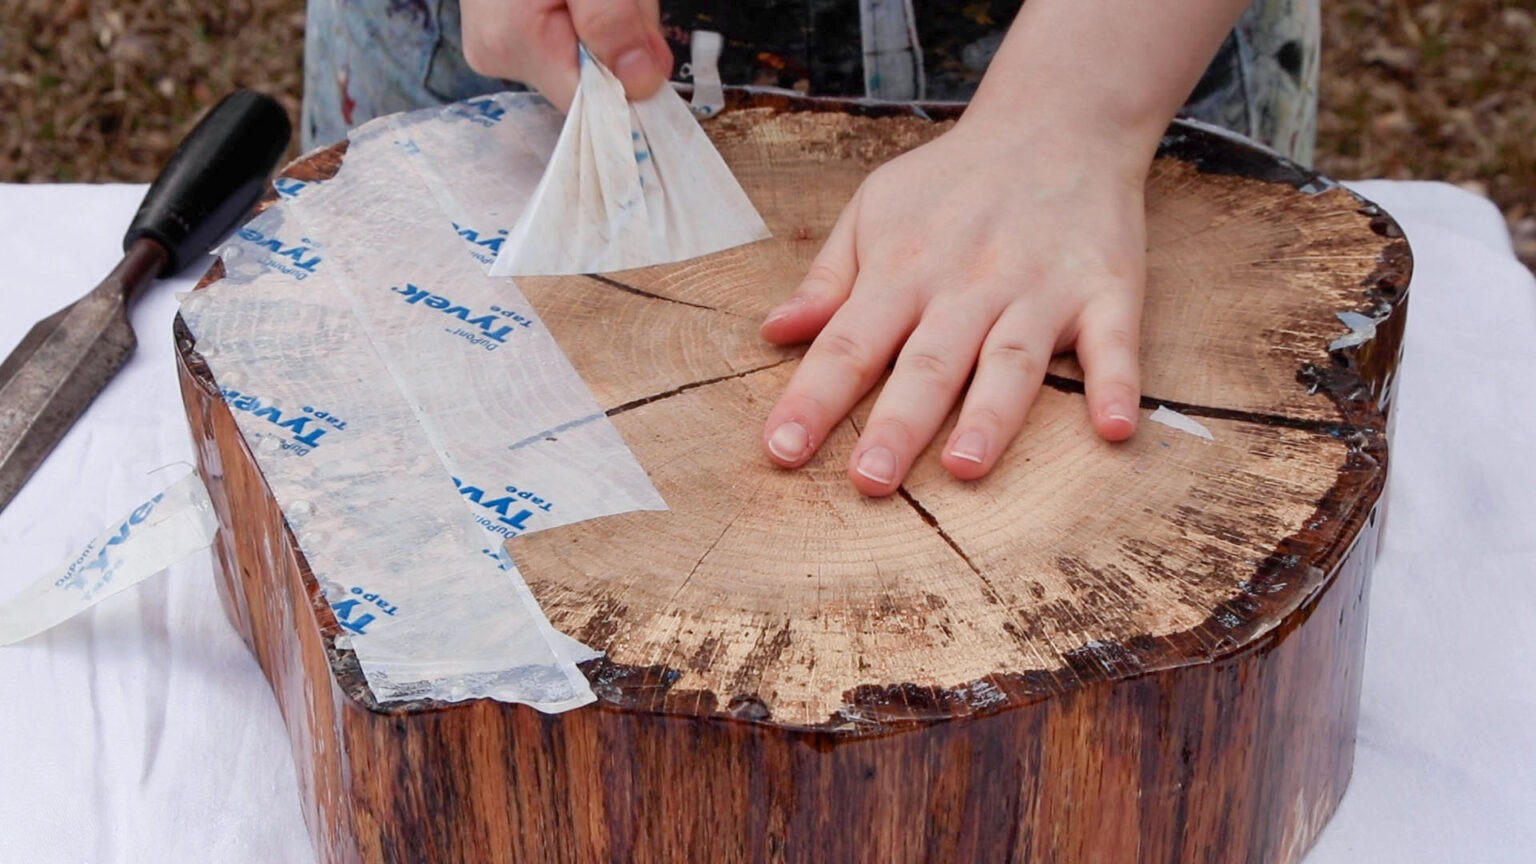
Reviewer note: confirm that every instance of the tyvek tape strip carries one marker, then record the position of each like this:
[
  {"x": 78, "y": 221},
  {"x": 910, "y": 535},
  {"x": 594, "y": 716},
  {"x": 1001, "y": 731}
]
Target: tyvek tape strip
[
  {"x": 535, "y": 389},
  {"x": 157, "y": 534},
  {"x": 630, "y": 184},
  {"x": 1174, "y": 420},
  {"x": 705, "y": 47},
  {"x": 331, "y": 442},
  {"x": 152, "y": 537},
  {"x": 482, "y": 160},
  {"x": 469, "y": 352},
  {"x": 400, "y": 559},
  {"x": 456, "y": 365}
]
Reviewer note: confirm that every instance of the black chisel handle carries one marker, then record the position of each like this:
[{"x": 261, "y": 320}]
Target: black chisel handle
[{"x": 214, "y": 178}]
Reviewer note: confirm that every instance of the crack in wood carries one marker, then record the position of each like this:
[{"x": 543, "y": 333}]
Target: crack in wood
[
  {"x": 933, "y": 523},
  {"x": 656, "y": 397},
  {"x": 672, "y": 600},
  {"x": 614, "y": 283},
  {"x": 1327, "y": 427}
]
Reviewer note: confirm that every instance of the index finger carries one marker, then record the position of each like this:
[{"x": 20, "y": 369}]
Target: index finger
[{"x": 840, "y": 367}]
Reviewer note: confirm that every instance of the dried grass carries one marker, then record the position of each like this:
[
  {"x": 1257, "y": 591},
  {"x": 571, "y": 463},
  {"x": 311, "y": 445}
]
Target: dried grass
[{"x": 97, "y": 91}]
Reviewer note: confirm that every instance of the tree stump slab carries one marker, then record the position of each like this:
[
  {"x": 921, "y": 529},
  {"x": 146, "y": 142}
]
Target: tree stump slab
[{"x": 1143, "y": 652}]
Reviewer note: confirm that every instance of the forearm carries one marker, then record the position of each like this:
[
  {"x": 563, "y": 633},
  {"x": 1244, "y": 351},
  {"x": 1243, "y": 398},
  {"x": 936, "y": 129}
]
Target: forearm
[{"x": 1119, "y": 69}]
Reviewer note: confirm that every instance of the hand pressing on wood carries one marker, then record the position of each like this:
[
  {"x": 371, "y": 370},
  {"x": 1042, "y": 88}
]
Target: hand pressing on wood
[
  {"x": 534, "y": 42},
  {"x": 1017, "y": 234},
  {"x": 981, "y": 252}
]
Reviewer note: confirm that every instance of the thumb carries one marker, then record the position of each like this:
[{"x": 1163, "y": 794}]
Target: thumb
[
  {"x": 530, "y": 42},
  {"x": 824, "y": 289},
  {"x": 625, "y": 36}
]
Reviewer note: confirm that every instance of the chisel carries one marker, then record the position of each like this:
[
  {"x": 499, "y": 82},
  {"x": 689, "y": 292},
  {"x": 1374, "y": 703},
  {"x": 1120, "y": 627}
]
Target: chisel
[{"x": 215, "y": 177}]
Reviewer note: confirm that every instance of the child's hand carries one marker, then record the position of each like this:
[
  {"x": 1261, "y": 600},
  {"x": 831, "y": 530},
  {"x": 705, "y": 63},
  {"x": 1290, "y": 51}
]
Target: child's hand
[
  {"x": 982, "y": 250},
  {"x": 534, "y": 42},
  {"x": 1017, "y": 234}
]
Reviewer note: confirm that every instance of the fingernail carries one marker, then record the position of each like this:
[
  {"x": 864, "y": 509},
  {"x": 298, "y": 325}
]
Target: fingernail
[
  {"x": 635, "y": 64},
  {"x": 878, "y": 464},
  {"x": 972, "y": 447},
  {"x": 1118, "y": 412},
  {"x": 788, "y": 442},
  {"x": 784, "y": 310}
]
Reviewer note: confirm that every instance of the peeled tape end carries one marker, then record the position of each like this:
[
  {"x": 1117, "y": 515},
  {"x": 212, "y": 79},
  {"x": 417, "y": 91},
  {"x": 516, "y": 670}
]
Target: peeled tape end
[{"x": 630, "y": 185}]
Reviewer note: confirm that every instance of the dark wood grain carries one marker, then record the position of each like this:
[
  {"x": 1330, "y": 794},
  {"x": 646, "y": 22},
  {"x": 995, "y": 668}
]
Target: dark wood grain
[{"x": 1227, "y": 740}]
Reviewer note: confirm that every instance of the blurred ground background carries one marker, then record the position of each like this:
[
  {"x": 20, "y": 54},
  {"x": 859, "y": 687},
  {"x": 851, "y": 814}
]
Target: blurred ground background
[{"x": 102, "y": 91}]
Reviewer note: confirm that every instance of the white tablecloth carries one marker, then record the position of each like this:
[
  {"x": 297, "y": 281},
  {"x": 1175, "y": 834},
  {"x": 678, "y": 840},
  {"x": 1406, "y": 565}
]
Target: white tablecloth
[{"x": 143, "y": 731}]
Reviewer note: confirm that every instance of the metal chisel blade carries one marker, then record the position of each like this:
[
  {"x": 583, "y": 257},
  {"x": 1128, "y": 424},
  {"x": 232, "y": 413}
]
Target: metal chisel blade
[
  {"x": 47, "y": 382},
  {"x": 214, "y": 178}
]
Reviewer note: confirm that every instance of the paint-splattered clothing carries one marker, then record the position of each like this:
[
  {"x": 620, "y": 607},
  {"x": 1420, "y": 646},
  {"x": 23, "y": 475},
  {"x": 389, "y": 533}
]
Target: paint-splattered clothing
[{"x": 366, "y": 58}]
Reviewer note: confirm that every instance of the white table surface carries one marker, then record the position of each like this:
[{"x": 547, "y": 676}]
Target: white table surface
[{"x": 143, "y": 731}]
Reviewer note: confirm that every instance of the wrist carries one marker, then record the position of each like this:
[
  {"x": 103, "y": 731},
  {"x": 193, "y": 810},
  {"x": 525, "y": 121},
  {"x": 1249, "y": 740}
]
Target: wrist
[
  {"x": 1102, "y": 73},
  {"x": 1043, "y": 131}
]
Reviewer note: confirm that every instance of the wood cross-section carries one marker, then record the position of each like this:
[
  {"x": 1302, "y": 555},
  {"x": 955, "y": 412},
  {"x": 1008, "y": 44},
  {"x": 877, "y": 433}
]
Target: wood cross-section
[{"x": 1148, "y": 651}]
